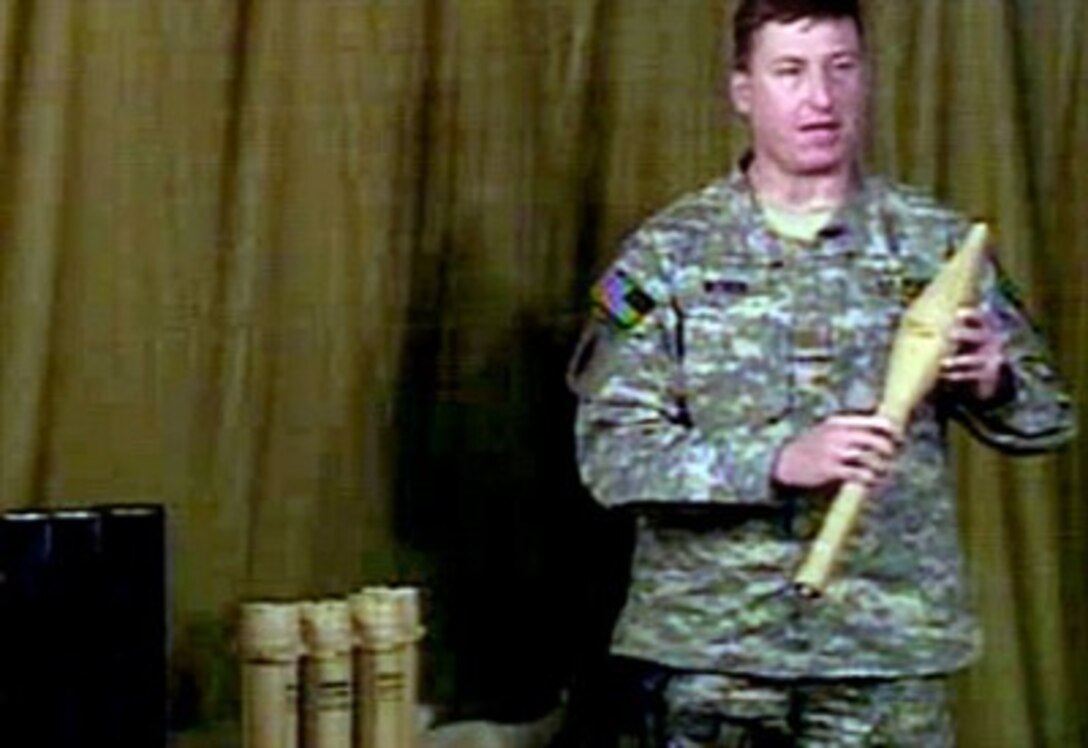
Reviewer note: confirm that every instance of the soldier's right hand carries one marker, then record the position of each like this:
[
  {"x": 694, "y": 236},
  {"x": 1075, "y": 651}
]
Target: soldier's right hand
[{"x": 856, "y": 448}]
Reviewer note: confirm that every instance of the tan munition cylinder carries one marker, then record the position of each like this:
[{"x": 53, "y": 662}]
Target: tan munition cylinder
[
  {"x": 271, "y": 647},
  {"x": 921, "y": 342},
  {"x": 328, "y": 682},
  {"x": 411, "y": 632},
  {"x": 387, "y": 629}
]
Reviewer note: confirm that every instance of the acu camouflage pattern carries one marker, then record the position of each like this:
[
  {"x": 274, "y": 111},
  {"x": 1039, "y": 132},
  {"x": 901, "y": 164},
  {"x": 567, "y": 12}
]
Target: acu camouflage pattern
[
  {"x": 722, "y": 711},
  {"x": 749, "y": 340}
]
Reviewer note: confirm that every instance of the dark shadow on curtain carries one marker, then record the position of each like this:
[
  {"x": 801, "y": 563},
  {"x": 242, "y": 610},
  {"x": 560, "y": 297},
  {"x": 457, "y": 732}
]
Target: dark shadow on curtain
[{"x": 525, "y": 572}]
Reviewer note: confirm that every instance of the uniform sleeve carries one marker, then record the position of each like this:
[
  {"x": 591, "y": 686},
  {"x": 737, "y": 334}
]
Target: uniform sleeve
[
  {"x": 1036, "y": 413},
  {"x": 636, "y": 442}
]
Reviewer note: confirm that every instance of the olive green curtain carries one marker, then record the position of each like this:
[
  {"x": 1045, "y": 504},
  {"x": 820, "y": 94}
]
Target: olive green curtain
[{"x": 307, "y": 273}]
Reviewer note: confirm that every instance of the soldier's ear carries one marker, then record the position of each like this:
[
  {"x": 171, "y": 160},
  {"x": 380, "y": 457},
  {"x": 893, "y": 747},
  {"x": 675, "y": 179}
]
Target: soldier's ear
[{"x": 740, "y": 91}]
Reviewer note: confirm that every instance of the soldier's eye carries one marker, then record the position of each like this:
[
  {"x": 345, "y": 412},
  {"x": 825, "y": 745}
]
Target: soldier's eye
[{"x": 844, "y": 64}]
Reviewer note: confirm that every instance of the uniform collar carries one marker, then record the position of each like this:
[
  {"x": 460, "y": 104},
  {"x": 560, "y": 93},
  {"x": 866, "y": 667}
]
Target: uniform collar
[{"x": 858, "y": 221}]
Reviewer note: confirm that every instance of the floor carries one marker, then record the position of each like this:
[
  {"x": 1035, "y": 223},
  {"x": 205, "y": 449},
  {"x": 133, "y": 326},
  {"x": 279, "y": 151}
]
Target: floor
[{"x": 453, "y": 735}]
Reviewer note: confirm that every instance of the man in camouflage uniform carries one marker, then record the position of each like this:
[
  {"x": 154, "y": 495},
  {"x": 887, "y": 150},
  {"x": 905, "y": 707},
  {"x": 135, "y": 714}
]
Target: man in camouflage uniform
[{"x": 727, "y": 385}]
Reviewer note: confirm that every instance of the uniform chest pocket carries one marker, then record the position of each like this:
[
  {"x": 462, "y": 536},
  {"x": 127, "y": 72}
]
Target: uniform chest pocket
[
  {"x": 875, "y": 300},
  {"x": 735, "y": 351},
  {"x": 872, "y": 303}
]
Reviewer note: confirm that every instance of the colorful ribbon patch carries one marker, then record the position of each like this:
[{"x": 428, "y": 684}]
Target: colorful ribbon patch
[{"x": 622, "y": 300}]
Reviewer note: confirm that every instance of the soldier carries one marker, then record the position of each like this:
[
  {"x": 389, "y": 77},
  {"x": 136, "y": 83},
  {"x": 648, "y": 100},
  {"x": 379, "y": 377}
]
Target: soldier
[{"x": 727, "y": 384}]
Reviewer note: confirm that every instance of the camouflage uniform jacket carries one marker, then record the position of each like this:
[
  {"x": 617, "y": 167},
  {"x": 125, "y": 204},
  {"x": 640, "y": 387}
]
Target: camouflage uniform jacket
[{"x": 714, "y": 342}]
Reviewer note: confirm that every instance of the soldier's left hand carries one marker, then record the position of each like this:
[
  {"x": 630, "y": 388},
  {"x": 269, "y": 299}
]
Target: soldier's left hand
[{"x": 978, "y": 358}]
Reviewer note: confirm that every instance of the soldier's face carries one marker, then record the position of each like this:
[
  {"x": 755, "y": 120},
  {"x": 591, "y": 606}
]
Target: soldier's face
[{"x": 804, "y": 93}]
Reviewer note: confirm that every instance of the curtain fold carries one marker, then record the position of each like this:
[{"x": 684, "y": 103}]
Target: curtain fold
[
  {"x": 39, "y": 124},
  {"x": 308, "y": 273}
]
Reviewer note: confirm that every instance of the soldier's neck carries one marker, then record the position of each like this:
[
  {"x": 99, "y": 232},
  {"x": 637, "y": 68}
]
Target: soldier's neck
[{"x": 801, "y": 193}]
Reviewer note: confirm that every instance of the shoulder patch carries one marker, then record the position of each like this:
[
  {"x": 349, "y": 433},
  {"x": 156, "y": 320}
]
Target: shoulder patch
[{"x": 621, "y": 300}]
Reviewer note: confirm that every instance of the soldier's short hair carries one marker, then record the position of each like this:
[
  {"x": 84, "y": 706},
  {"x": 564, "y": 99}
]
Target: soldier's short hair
[{"x": 751, "y": 15}]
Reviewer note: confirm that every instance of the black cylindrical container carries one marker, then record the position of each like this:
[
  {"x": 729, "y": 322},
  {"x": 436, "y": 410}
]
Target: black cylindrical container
[
  {"x": 27, "y": 597},
  {"x": 77, "y": 611},
  {"x": 134, "y": 632}
]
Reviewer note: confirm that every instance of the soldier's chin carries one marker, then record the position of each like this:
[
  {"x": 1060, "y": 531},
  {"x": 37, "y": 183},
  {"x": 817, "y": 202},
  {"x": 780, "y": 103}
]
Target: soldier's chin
[{"x": 825, "y": 164}]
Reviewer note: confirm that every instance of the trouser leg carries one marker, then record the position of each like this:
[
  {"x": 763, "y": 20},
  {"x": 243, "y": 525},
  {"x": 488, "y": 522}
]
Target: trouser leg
[
  {"x": 901, "y": 713},
  {"x": 722, "y": 711}
]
